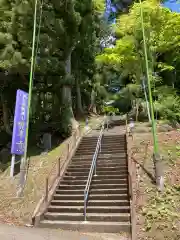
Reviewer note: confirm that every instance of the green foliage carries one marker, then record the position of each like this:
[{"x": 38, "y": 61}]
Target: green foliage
[
  {"x": 168, "y": 107},
  {"x": 69, "y": 30},
  {"x": 163, "y": 46},
  {"x": 72, "y": 30},
  {"x": 110, "y": 110}
]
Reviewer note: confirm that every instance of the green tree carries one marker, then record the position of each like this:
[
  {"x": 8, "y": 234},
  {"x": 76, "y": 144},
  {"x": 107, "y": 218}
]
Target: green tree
[{"x": 162, "y": 37}]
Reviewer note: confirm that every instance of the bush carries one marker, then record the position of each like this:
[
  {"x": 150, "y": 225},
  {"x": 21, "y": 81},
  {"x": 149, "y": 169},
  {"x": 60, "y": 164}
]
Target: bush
[
  {"x": 110, "y": 110},
  {"x": 168, "y": 108}
]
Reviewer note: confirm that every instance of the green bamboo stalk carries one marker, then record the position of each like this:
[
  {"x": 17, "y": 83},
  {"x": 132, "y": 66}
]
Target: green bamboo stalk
[
  {"x": 24, "y": 159},
  {"x": 38, "y": 36},
  {"x": 156, "y": 149}
]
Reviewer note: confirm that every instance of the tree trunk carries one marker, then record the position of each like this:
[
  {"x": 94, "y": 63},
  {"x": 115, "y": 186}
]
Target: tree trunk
[
  {"x": 79, "y": 99},
  {"x": 137, "y": 110},
  {"x": 92, "y": 107},
  {"x": 66, "y": 94},
  {"x": 5, "y": 116}
]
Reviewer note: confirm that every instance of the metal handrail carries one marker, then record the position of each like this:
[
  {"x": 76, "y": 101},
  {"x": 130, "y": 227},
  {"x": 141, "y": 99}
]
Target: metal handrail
[{"x": 92, "y": 169}]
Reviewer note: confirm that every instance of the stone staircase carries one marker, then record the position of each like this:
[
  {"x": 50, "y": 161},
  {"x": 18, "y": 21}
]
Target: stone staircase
[{"x": 108, "y": 208}]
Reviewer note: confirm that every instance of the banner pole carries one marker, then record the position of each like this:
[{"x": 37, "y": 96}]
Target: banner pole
[{"x": 12, "y": 165}]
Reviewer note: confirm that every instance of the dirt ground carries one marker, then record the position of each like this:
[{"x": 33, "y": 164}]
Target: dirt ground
[{"x": 158, "y": 214}]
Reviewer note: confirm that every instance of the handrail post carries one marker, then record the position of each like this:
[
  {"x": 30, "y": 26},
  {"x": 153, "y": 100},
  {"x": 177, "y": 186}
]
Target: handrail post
[
  {"x": 59, "y": 166},
  {"x": 95, "y": 170},
  {"x": 68, "y": 149},
  {"x": 46, "y": 191},
  {"x": 85, "y": 205}
]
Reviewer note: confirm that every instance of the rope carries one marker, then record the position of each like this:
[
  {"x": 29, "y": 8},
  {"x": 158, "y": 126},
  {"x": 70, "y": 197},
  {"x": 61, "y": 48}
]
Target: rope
[
  {"x": 152, "y": 66},
  {"x": 143, "y": 81},
  {"x": 149, "y": 83},
  {"x": 147, "y": 102}
]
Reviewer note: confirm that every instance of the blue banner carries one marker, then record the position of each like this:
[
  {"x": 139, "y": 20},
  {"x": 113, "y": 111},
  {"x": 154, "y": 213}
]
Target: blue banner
[{"x": 20, "y": 123}]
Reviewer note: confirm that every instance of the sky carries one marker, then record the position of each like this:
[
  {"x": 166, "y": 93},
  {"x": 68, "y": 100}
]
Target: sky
[{"x": 173, "y": 5}]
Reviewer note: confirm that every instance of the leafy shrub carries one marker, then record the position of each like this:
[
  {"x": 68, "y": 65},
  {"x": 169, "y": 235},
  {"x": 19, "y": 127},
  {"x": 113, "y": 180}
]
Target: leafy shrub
[
  {"x": 110, "y": 110},
  {"x": 168, "y": 107}
]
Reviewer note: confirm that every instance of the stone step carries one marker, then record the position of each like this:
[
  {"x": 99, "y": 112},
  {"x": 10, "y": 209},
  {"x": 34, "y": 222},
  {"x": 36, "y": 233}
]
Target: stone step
[
  {"x": 117, "y": 135},
  {"x": 109, "y": 151},
  {"x": 80, "y": 166},
  {"x": 118, "y": 189},
  {"x": 113, "y": 217},
  {"x": 103, "y": 151},
  {"x": 113, "y": 140},
  {"x": 100, "y": 157},
  {"x": 81, "y": 158},
  {"x": 91, "y": 142},
  {"x": 89, "y": 139},
  {"x": 104, "y": 168},
  {"x": 105, "y": 137},
  {"x": 77, "y": 174},
  {"x": 86, "y": 173},
  {"x": 71, "y": 178},
  {"x": 113, "y": 156},
  {"x": 95, "y": 181},
  {"x": 90, "y": 203},
  {"x": 106, "y": 151},
  {"x": 84, "y": 153},
  {"x": 90, "y": 209},
  {"x": 109, "y": 184},
  {"x": 71, "y": 187},
  {"x": 93, "y": 197},
  {"x": 87, "y": 226},
  {"x": 104, "y": 143},
  {"x": 103, "y": 147},
  {"x": 124, "y": 176},
  {"x": 99, "y": 161},
  {"x": 116, "y": 162},
  {"x": 93, "y": 191},
  {"x": 106, "y": 140},
  {"x": 113, "y": 169}
]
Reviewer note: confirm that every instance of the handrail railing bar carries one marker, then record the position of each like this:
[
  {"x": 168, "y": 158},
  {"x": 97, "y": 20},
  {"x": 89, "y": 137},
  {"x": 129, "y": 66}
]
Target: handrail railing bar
[
  {"x": 92, "y": 169},
  {"x": 95, "y": 156}
]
